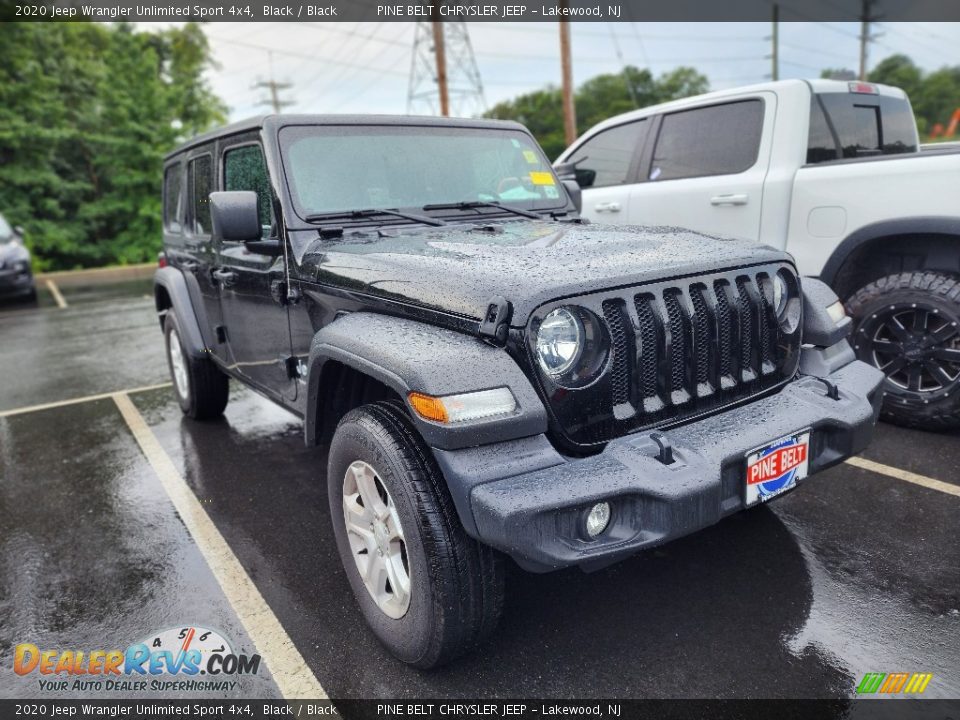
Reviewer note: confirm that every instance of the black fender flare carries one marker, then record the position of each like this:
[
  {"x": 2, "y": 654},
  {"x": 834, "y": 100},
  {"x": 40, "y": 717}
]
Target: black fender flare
[
  {"x": 921, "y": 225},
  {"x": 410, "y": 356},
  {"x": 172, "y": 281}
]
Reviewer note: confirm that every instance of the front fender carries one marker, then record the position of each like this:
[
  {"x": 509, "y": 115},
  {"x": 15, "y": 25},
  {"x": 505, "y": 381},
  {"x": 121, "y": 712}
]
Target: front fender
[{"x": 409, "y": 356}]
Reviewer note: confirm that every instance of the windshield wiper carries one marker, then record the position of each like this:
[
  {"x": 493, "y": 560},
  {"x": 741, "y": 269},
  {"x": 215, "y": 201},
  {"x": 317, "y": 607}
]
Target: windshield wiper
[
  {"x": 373, "y": 212},
  {"x": 474, "y": 204}
]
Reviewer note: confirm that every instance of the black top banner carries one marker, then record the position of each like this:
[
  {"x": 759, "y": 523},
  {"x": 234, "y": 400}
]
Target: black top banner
[{"x": 477, "y": 10}]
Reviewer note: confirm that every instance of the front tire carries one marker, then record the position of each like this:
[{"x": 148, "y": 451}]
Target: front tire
[
  {"x": 908, "y": 326},
  {"x": 443, "y": 594},
  {"x": 200, "y": 387}
]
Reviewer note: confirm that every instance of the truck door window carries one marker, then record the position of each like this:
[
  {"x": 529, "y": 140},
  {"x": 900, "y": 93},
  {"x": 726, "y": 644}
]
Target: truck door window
[
  {"x": 200, "y": 178},
  {"x": 172, "y": 198},
  {"x": 605, "y": 159},
  {"x": 245, "y": 169},
  {"x": 821, "y": 144},
  {"x": 714, "y": 140},
  {"x": 868, "y": 125}
]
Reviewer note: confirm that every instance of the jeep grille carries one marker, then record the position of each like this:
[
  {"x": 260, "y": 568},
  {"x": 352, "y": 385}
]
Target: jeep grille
[{"x": 677, "y": 349}]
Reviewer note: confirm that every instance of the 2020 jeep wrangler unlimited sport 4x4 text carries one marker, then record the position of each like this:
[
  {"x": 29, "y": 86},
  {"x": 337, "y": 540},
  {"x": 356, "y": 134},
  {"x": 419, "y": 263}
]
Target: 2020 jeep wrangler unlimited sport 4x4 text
[{"x": 492, "y": 376}]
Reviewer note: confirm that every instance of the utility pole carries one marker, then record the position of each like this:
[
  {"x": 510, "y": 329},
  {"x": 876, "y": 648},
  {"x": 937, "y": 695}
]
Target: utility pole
[
  {"x": 440, "y": 51},
  {"x": 566, "y": 67},
  {"x": 444, "y": 77},
  {"x": 775, "y": 36},
  {"x": 865, "y": 19},
  {"x": 274, "y": 87}
]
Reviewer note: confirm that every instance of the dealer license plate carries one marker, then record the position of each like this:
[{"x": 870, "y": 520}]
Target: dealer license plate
[{"x": 776, "y": 468}]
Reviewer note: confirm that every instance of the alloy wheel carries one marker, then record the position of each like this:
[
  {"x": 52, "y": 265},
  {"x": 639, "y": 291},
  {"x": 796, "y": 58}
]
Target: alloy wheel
[
  {"x": 376, "y": 539},
  {"x": 916, "y": 345},
  {"x": 178, "y": 365}
]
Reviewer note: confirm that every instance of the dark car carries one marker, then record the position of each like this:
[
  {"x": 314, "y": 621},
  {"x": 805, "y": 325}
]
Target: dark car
[
  {"x": 16, "y": 277},
  {"x": 492, "y": 376}
]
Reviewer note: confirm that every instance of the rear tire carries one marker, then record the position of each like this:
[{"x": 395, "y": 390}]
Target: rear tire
[
  {"x": 451, "y": 595},
  {"x": 908, "y": 325},
  {"x": 200, "y": 387}
]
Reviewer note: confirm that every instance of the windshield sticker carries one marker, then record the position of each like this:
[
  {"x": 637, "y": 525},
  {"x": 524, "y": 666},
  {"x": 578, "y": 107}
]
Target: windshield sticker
[
  {"x": 516, "y": 143},
  {"x": 541, "y": 178},
  {"x": 531, "y": 157}
]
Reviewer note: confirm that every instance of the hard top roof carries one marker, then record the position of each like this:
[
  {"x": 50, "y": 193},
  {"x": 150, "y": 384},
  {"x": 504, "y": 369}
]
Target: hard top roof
[{"x": 275, "y": 122}]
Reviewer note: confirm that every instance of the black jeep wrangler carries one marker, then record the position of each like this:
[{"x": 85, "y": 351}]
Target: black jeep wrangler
[{"x": 492, "y": 376}]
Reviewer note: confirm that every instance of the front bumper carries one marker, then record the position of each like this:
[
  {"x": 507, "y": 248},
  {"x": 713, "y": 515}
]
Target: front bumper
[
  {"x": 15, "y": 282},
  {"x": 536, "y": 516}
]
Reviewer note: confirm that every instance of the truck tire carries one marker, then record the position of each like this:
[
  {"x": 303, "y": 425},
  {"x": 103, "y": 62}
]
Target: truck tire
[
  {"x": 199, "y": 386},
  {"x": 427, "y": 590},
  {"x": 908, "y": 325}
]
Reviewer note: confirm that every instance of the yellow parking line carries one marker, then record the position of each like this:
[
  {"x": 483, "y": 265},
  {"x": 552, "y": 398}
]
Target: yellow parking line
[
  {"x": 57, "y": 296},
  {"x": 77, "y": 401},
  {"x": 290, "y": 671},
  {"x": 904, "y": 475}
]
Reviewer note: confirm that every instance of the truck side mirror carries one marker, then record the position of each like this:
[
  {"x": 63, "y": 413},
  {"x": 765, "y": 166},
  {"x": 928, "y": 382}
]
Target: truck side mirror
[
  {"x": 576, "y": 195},
  {"x": 18, "y": 229},
  {"x": 235, "y": 216}
]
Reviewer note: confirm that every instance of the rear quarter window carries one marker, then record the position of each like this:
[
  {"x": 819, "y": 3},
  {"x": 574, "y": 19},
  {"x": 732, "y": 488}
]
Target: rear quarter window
[
  {"x": 714, "y": 140},
  {"x": 854, "y": 125},
  {"x": 172, "y": 198}
]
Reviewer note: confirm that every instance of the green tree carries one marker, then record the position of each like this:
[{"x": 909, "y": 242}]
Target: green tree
[
  {"x": 87, "y": 112},
  {"x": 597, "y": 99}
]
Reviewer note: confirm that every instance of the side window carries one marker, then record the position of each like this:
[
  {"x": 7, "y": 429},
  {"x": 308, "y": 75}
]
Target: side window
[
  {"x": 604, "y": 159},
  {"x": 715, "y": 140},
  {"x": 172, "y": 200},
  {"x": 820, "y": 143},
  {"x": 870, "y": 125},
  {"x": 244, "y": 168},
  {"x": 201, "y": 185}
]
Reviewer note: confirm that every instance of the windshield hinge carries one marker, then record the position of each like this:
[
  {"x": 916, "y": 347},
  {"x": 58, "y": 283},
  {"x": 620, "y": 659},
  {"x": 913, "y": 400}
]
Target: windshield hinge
[
  {"x": 496, "y": 320},
  {"x": 329, "y": 233}
]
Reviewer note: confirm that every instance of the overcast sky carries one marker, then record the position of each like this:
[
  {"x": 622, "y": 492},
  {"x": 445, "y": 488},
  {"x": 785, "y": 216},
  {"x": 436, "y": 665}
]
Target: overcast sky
[{"x": 365, "y": 67}]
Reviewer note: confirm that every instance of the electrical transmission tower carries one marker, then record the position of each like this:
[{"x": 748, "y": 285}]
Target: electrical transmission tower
[
  {"x": 274, "y": 87},
  {"x": 444, "y": 79}
]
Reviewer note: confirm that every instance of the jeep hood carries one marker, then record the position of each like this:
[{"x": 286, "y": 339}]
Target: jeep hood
[{"x": 458, "y": 269}]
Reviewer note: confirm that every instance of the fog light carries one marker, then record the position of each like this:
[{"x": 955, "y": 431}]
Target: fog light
[{"x": 597, "y": 519}]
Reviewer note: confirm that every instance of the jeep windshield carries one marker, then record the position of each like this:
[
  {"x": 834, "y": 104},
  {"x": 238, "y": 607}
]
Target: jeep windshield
[{"x": 332, "y": 169}]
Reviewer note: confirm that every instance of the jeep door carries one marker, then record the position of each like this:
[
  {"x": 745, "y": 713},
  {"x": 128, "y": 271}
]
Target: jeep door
[
  {"x": 187, "y": 237},
  {"x": 252, "y": 296}
]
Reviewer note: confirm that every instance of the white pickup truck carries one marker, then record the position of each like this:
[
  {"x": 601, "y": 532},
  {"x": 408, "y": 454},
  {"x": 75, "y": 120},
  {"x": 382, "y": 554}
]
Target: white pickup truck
[{"x": 832, "y": 172}]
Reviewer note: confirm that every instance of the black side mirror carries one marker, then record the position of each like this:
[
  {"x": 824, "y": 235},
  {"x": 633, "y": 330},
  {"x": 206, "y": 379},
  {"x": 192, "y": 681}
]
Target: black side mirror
[
  {"x": 18, "y": 230},
  {"x": 573, "y": 190},
  {"x": 235, "y": 215}
]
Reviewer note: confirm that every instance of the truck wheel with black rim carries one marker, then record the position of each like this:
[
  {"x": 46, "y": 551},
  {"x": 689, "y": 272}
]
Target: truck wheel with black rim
[
  {"x": 908, "y": 325},
  {"x": 199, "y": 385},
  {"x": 427, "y": 590}
]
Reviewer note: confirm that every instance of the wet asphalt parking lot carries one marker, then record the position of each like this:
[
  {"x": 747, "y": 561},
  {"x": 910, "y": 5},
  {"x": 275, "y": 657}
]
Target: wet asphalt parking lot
[{"x": 120, "y": 520}]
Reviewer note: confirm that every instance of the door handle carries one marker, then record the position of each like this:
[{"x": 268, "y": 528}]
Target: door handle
[
  {"x": 740, "y": 199},
  {"x": 226, "y": 278},
  {"x": 611, "y": 207}
]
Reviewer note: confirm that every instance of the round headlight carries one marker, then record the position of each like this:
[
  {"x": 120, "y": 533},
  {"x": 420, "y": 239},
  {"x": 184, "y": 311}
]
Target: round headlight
[
  {"x": 559, "y": 341},
  {"x": 781, "y": 294}
]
